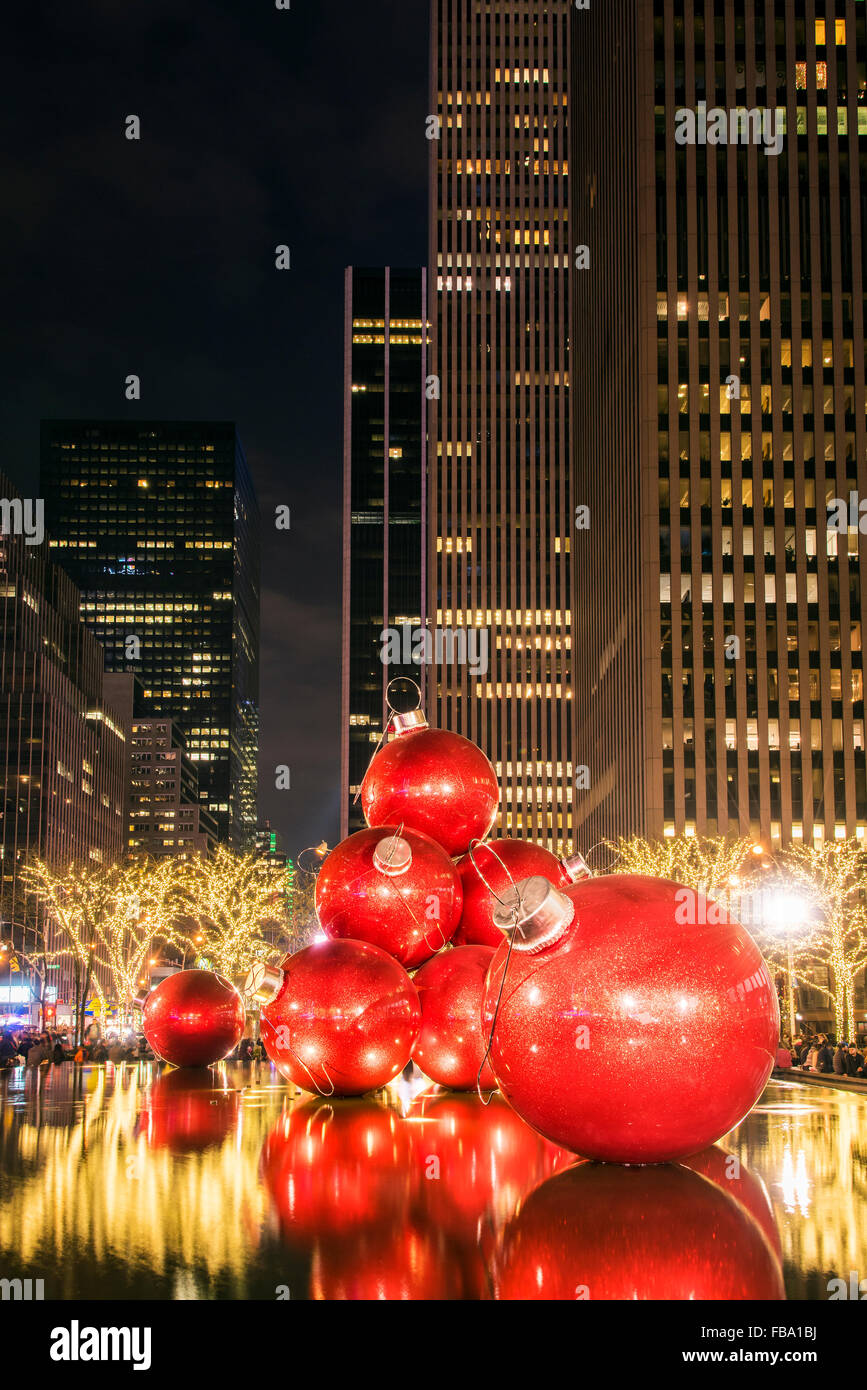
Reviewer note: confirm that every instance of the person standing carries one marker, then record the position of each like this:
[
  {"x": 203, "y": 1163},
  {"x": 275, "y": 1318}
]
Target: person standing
[{"x": 824, "y": 1056}]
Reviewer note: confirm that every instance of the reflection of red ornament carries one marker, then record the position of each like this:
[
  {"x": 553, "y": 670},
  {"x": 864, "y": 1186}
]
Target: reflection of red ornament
[
  {"x": 450, "y": 1047},
  {"x": 398, "y": 1264},
  {"x": 187, "y": 1111},
  {"x": 487, "y": 1160},
  {"x": 602, "y": 1232},
  {"x": 485, "y": 866},
  {"x": 399, "y": 891},
  {"x": 332, "y": 1169},
  {"x": 744, "y": 1187},
  {"x": 431, "y": 780},
  {"x": 193, "y": 1018},
  {"x": 344, "y": 1019},
  {"x": 624, "y": 1033}
]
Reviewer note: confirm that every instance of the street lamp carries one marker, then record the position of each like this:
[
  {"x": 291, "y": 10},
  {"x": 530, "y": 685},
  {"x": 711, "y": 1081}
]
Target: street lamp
[{"x": 785, "y": 911}]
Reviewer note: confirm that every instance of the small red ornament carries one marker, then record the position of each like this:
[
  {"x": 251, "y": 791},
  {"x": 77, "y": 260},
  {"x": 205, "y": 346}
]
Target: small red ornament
[
  {"x": 344, "y": 1019},
  {"x": 631, "y": 1029},
  {"x": 193, "y": 1018},
  {"x": 451, "y": 1046},
  {"x": 395, "y": 888},
  {"x": 488, "y": 871},
  {"x": 431, "y": 780},
  {"x": 599, "y": 1232}
]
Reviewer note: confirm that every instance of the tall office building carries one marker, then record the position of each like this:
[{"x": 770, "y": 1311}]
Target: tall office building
[
  {"x": 499, "y": 461},
  {"x": 385, "y": 356},
  {"x": 62, "y": 745},
  {"x": 158, "y": 525},
  {"x": 721, "y": 187}
]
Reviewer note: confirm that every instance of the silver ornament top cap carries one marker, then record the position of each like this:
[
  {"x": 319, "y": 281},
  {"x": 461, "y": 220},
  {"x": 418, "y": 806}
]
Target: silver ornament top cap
[
  {"x": 393, "y": 856},
  {"x": 263, "y": 983},
  {"x": 576, "y": 868},
  {"x": 534, "y": 914},
  {"x": 408, "y": 723}
]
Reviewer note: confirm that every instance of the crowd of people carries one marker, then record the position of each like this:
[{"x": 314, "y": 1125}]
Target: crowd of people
[
  {"x": 32, "y": 1048},
  {"x": 822, "y": 1055}
]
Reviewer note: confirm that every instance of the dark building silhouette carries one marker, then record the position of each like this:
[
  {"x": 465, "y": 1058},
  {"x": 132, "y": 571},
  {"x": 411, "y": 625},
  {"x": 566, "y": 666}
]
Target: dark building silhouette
[
  {"x": 62, "y": 743},
  {"x": 499, "y": 460},
  {"x": 385, "y": 353},
  {"x": 721, "y": 188},
  {"x": 158, "y": 525}
]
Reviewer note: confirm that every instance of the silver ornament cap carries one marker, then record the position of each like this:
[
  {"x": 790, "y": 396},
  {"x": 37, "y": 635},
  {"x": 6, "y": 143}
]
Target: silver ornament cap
[
  {"x": 393, "y": 856},
  {"x": 408, "y": 723},
  {"x": 263, "y": 983},
  {"x": 533, "y": 914},
  {"x": 576, "y": 868}
]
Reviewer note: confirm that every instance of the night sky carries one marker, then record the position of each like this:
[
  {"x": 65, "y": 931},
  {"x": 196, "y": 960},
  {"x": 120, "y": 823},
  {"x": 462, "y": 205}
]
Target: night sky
[{"x": 259, "y": 127}]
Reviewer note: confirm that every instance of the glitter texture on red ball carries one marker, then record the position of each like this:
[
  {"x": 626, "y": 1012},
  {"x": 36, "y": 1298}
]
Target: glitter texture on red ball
[
  {"x": 393, "y": 887},
  {"x": 451, "y": 1045},
  {"x": 488, "y": 871},
  {"x": 193, "y": 1018},
  {"x": 434, "y": 781},
  {"x": 634, "y": 1027},
  {"x": 344, "y": 1020}
]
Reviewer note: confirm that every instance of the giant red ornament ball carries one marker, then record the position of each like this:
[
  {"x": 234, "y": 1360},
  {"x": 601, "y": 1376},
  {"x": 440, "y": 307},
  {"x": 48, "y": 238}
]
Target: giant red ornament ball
[
  {"x": 631, "y": 1028},
  {"x": 193, "y": 1018},
  {"x": 396, "y": 889},
  {"x": 450, "y": 1047},
  {"x": 431, "y": 780},
  {"x": 344, "y": 1019},
  {"x": 487, "y": 872}
]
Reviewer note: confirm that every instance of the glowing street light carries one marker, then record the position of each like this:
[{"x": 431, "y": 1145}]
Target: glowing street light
[{"x": 785, "y": 911}]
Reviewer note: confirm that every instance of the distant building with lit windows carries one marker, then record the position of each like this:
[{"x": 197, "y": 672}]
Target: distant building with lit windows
[
  {"x": 719, "y": 412},
  {"x": 62, "y": 747},
  {"x": 165, "y": 815},
  {"x": 385, "y": 356},
  {"x": 499, "y": 476},
  {"x": 158, "y": 525}
]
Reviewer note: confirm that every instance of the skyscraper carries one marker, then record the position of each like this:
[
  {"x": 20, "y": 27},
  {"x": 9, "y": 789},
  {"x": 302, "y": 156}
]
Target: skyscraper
[
  {"x": 499, "y": 461},
  {"x": 385, "y": 355},
  {"x": 62, "y": 745},
  {"x": 158, "y": 525},
  {"x": 721, "y": 188}
]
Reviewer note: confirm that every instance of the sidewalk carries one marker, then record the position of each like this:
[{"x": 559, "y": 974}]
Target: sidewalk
[{"x": 811, "y": 1078}]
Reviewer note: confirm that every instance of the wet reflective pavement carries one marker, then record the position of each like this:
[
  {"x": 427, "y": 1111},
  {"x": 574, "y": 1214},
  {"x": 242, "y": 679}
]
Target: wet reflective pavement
[{"x": 131, "y": 1183}]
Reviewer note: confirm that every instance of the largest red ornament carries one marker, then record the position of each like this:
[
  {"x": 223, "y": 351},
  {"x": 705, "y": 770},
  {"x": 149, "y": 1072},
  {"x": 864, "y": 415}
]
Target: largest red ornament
[
  {"x": 343, "y": 1020},
  {"x": 193, "y": 1018},
  {"x": 431, "y": 780},
  {"x": 398, "y": 891},
  {"x": 631, "y": 1029}
]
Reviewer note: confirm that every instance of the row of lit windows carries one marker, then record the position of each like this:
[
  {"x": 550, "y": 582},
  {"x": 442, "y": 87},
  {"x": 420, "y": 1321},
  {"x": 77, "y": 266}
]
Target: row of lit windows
[
  {"x": 840, "y": 832},
  {"x": 503, "y": 618},
  {"x": 753, "y": 740}
]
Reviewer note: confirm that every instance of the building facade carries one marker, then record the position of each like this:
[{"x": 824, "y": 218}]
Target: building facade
[
  {"x": 499, "y": 457},
  {"x": 157, "y": 523},
  {"x": 721, "y": 188},
  {"x": 165, "y": 813},
  {"x": 62, "y": 745},
  {"x": 383, "y": 576}
]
